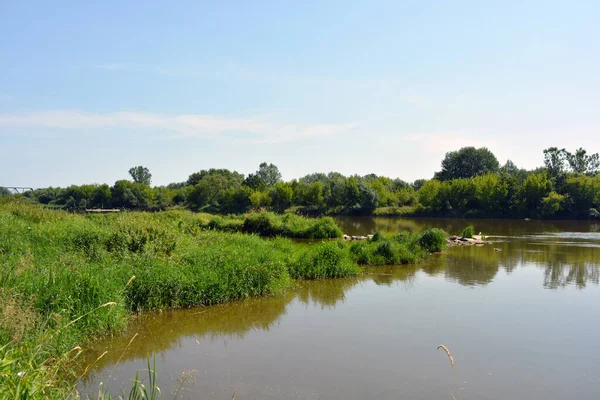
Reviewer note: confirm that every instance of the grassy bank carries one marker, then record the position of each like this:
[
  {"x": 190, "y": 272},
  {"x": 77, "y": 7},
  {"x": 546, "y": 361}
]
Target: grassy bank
[
  {"x": 268, "y": 224},
  {"x": 66, "y": 278}
]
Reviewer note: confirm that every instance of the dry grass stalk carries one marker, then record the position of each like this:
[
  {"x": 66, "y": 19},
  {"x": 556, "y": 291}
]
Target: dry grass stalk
[
  {"x": 129, "y": 281},
  {"x": 441, "y": 346},
  {"x": 90, "y": 365},
  {"x": 110, "y": 303},
  {"x": 123, "y": 353}
]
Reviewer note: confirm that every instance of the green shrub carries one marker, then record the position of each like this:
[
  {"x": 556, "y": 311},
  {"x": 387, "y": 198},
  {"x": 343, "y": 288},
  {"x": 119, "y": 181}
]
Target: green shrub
[
  {"x": 432, "y": 240},
  {"x": 468, "y": 232},
  {"x": 326, "y": 260},
  {"x": 397, "y": 250},
  {"x": 323, "y": 228}
]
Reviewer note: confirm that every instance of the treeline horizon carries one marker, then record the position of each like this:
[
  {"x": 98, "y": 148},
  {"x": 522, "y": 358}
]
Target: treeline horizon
[{"x": 471, "y": 183}]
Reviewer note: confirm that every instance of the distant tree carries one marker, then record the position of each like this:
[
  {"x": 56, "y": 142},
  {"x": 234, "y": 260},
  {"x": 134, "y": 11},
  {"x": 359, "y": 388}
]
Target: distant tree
[
  {"x": 176, "y": 185},
  {"x": 101, "y": 197},
  {"x": 140, "y": 174},
  {"x": 194, "y": 178},
  {"x": 418, "y": 184},
  {"x": 555, "y": 160},
  {"x": 232, "y": 177},
  {"x": 269, "y": 174},
  {"x": 509, "y": 168},
  {"x": 281, "y": 195},
  {"x": 206, "y": 192},
  {"x": 467, "y": 163},
  {"x": 4, "y": 191},
  {"x": 582, "y": 163},
  {"x": 534, "y": 189},
  {"x": 255, "y": 182}
]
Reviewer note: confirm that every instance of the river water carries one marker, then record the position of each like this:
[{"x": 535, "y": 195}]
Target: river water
[{"x": 521, "y": 323}]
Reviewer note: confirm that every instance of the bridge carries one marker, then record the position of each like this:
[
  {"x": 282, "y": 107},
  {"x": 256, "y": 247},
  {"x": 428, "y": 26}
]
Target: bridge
[{"x": 18, "y": 189}]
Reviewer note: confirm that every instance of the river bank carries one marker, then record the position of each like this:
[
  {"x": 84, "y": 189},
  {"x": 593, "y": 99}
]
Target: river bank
[{"x": 72, "y": 277}]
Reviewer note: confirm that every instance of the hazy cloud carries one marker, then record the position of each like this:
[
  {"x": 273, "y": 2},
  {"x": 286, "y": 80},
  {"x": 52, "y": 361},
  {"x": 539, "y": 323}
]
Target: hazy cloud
[{"x": 260, "y": 129}]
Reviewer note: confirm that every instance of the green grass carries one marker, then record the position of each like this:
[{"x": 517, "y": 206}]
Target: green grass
[
  {"x": 468, "y": 232},
  {"x": 404, "y": 248},
  {"x": 268, "y": 224},
  {"x": 67, "y": 278}
]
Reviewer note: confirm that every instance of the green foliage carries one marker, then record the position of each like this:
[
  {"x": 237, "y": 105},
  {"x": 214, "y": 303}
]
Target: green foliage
[
  {"x": 468, "y": 232},
  {"x": 471, "y": 184},
  {"x": 432, "y": 240},
  {"x": 532, "y": 192},
  {"x": 582, "y": 163},
  {"x": 384, "y": 250},
  {"x": 552, "y": 204},
  {"x": 141, "y": 174},
  {"x": 290, "y": 225},
  {"x": 281, "y": 195},
  {"x": 269, "y": 174},
  {"x": 327, "y": 260},
  {"x": 467, "y": 162},
  {"x": 555, "y": 161}
]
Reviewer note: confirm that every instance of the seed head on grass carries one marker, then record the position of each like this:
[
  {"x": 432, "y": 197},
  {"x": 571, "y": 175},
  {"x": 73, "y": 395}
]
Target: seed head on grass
[{"x": 441, "y": 346}]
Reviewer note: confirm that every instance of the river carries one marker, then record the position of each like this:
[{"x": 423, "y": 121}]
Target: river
[{"x": 521, "y": 323}]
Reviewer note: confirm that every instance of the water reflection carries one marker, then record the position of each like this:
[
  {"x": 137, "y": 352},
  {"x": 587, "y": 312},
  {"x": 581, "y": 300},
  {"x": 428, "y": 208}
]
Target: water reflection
[{"x": 325, "y": 293}]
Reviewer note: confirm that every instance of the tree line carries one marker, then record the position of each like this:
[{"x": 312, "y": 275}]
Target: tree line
[{"x": 471, "y": 183}]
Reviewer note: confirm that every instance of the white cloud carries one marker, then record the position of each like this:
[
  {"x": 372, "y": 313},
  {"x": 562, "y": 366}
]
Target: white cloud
[{"x": 261, "y": 129}]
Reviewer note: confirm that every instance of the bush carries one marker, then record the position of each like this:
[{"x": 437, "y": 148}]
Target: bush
[
  {"x": 327, "y": 260},
  {"x": 468, "y": 232},
  {"x": 401, "y": 249},
  {"x": 433, "y": 240}
]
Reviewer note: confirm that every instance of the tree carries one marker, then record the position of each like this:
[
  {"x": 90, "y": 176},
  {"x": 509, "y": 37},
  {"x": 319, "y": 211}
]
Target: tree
[
  {"x": 555, "y": 160},
  {"x": 269, "y": 174},
  {"x": 141, "y": 174},
  {"x": 534, "y": 189},
  {"x": 467, "y": 163},
  {"x": 194, "y": 178},
  {"x": 255, "y": 182},
  {"x": 582, "y": 163},
  {"x": 509, "y": 168},
  {"x": 281, "y": 196},
  {"x": 418, "y": 184},
  {"x": 4, "y": 191}
]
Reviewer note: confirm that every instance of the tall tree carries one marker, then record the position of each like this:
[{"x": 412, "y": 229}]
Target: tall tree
[
  {"x": 555, "y": 161},
  {"x": 583, "y": 163},
  {"x": 269, "y": 173},
  {"x": 467, "y": 163},
  {"x": 140, "y": 174}
]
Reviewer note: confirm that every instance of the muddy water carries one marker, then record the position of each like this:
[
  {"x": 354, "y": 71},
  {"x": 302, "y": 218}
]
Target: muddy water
[{"x": 521, "y": 323}]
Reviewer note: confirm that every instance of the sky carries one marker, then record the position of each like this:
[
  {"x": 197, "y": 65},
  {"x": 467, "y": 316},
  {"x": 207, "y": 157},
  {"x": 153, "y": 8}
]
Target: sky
[{"x": 90, "y": 89}]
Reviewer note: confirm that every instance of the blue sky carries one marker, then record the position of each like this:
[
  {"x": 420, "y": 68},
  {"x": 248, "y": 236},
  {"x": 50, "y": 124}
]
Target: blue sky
[{"x": 89, "y": 90}]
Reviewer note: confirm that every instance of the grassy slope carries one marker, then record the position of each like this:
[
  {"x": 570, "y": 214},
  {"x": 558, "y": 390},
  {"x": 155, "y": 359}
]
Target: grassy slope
[{"x": 67, "y": 278}]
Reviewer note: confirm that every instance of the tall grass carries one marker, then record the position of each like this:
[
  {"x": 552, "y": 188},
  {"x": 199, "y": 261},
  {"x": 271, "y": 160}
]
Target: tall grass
[
  {"x": 67, "y": 278},
  {"x": 404, "y": 248},
  {"x": 268, "y": 224},
  {"x": 468, "y": 232}
]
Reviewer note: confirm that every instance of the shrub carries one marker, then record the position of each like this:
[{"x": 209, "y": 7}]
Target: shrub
[
  {"x": 468, "y": 232},
  {"x": 323, "y": 261},
  {"x": 432, "y": 240}
]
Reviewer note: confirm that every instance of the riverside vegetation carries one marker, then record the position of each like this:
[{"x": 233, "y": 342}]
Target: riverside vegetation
[
  {"x": 67, "y": 278},
  {"x": 471, "y": 183}
]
